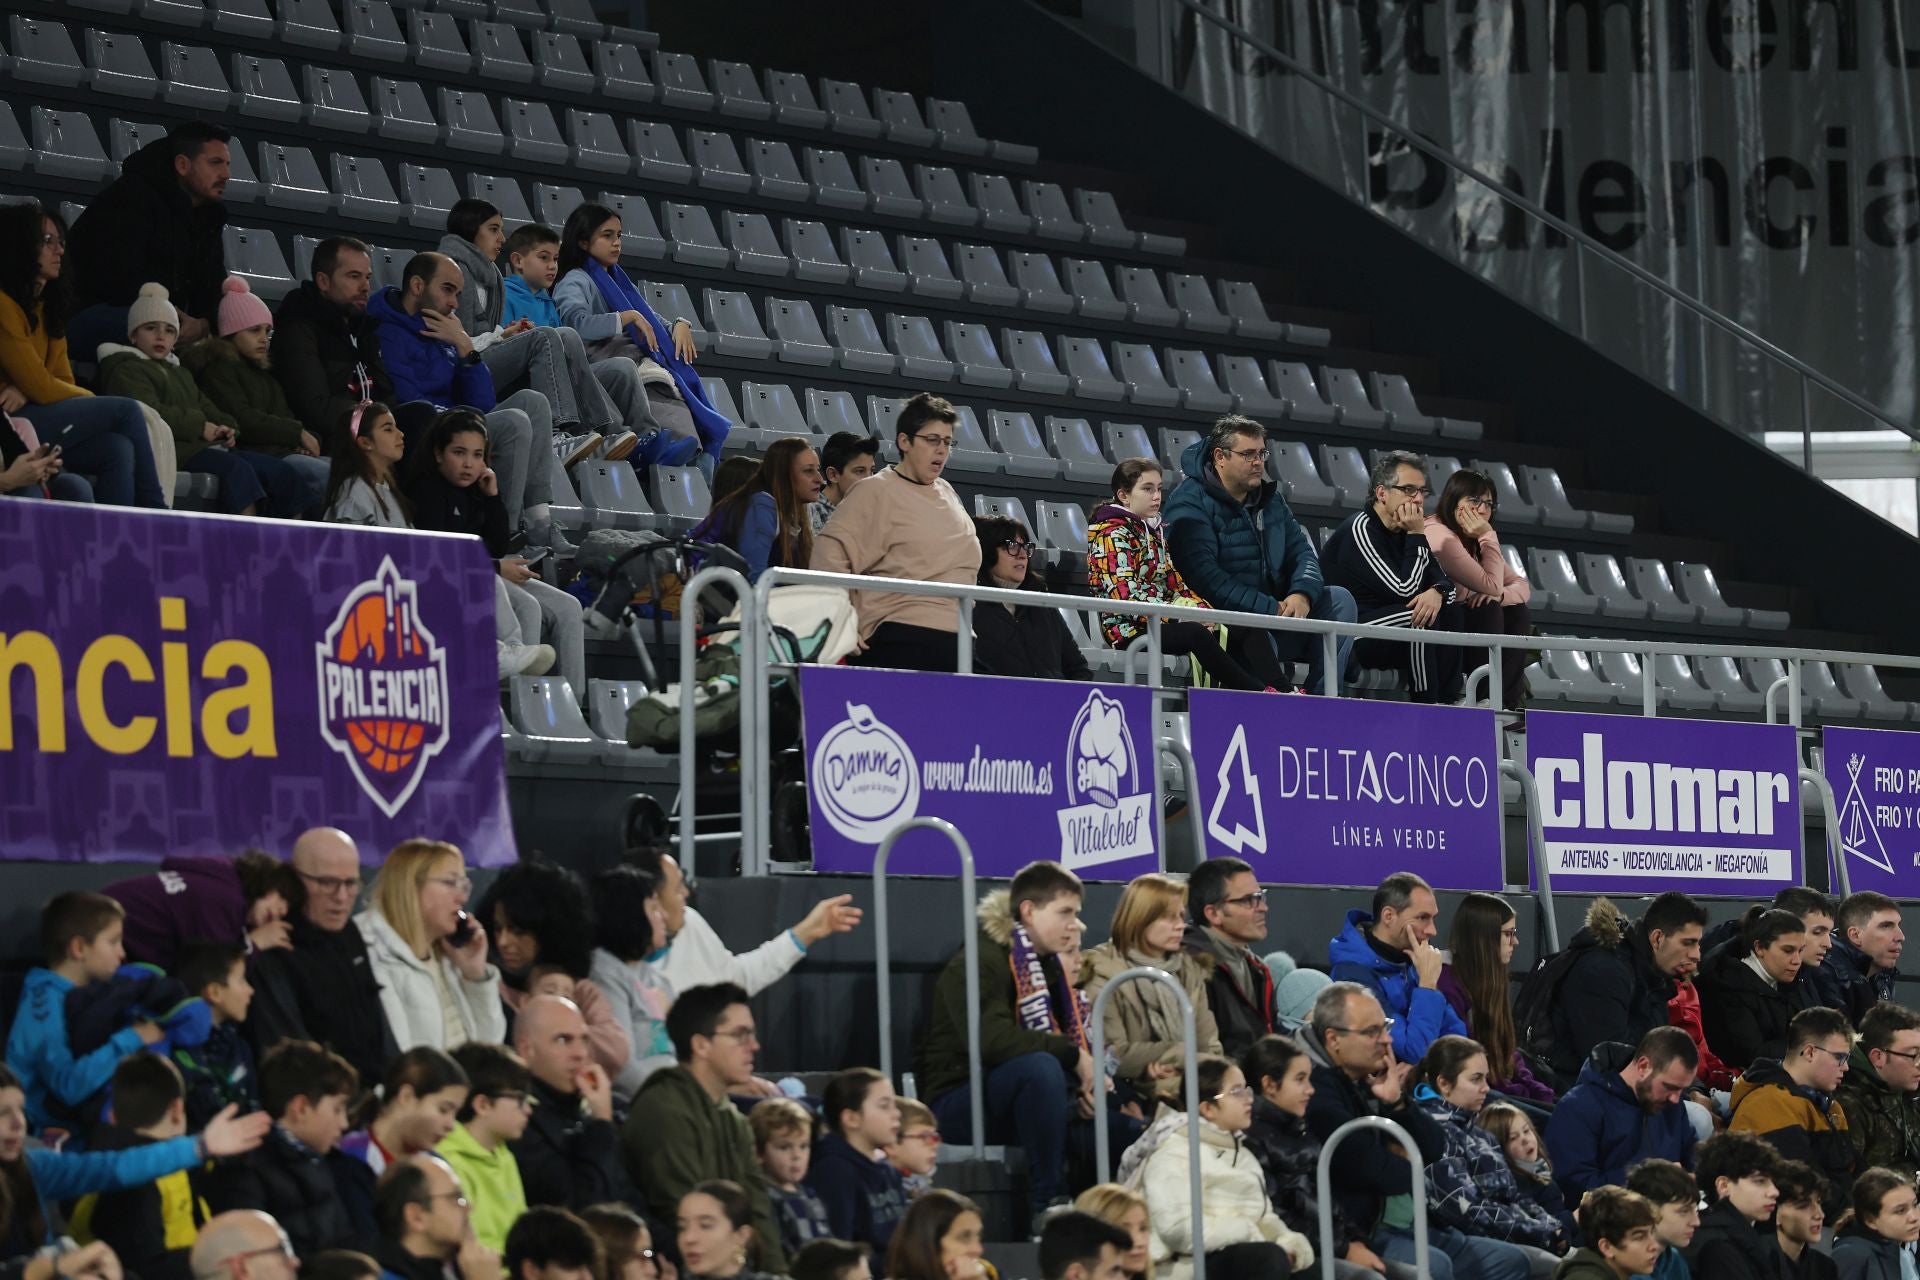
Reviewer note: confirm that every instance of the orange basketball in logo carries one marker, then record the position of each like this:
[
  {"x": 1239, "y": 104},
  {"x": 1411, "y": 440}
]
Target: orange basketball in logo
[{"x": 373, "y": 633}]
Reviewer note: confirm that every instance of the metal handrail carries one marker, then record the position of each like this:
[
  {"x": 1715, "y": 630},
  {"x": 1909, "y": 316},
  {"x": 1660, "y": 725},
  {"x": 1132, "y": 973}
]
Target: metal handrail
[
  {"x": 1830, "y": 824},
  {"x": 883, "y": 965},
  {"x": 689, "y": 775},
  {"x": 1190, "y": 1073},
  {"x": 1537, "y": 838},
  {"x": 1191, "y": 771},
  {"x": 1324, "y": 1186},
  {"x": 1584, "y": 243}
]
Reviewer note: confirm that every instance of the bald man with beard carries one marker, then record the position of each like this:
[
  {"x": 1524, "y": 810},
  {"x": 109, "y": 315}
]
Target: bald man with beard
[
  {"x": 323, "y": 989},
  {"x": 570, "y": 1154}
]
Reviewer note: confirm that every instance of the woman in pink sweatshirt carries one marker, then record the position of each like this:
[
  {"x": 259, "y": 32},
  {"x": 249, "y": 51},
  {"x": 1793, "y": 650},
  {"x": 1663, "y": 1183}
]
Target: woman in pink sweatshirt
[{"x": 1460, "y": 534}]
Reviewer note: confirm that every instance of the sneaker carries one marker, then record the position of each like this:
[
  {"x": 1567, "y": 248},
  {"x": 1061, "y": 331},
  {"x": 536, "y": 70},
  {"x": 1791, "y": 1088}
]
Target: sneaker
[
  {"x": 525, "y": 659},
  {"x": 664, "y": 449},
  {"x": 619, "y": 445},
  {"x": 574, "y": 450}
]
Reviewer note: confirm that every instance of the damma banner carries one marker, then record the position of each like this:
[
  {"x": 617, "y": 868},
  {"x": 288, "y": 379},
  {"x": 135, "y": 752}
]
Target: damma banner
[
  {"x": 183, "y": 684},
  {"x": 1634, "y": 804},
  {"x": 1341, "y": 792},
  {"x": 1875, "y": 774},
  {"x": 1026, "y": 769}
]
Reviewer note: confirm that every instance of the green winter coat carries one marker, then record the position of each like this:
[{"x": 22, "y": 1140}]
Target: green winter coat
[
  {"x": 249, "y": 394},
  {"x": 1583, "y": 1264},
  {"x": 168, "y": 387},
  {"x": 1885, "y": 1125}
]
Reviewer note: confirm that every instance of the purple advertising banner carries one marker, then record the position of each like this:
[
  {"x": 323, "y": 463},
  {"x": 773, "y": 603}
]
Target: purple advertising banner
[
  {"x": 189, "y": 684},
  {"x": 1025, "y": 768},
  {"x": 1341, "y": 792},
  {"x": 1634, "y": 804},
  {"x": 1875, "y": 775}
]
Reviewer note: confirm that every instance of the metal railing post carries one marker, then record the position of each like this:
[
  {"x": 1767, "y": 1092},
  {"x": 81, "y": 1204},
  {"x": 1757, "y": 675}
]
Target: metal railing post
[
  {"x": 1470, "y": 692},
  {"x": 1330, "y": 652},
  {"x": 1180, "y": 752},
  {"x": 970, "y": 942},
  {"x": 1649, "y": 701},
  {"x": 689, "y": 775},
  {"x": 1795, "y": 713},
  {"x": 963, "y": 644},
  {"x": 1829, "y": 827},
  {"x": 1190, "y": 1073},
  {"x": 1537, "y": 853},
  {"x": 1779, "y": 683},
  {"x": 1324, "y": 1188}
]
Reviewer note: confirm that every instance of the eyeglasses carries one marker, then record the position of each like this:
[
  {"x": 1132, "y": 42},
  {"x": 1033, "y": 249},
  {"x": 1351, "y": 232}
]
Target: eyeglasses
[
  {"x": 937, "y": 442},
  {"x": 459, "y": 1201},
  {"x": 1251, "y": 455},
  {"x": 459, "y": 884},
  {"x": 739, "y": 1035},
  {"x": 1258, "y": 898},
  {"x": 1411, "y": 490},
  {"x": 1482, "y": 504},
  {"x": 1510, "y": 933},
  {"x": 1015, "y": 547},
  {"x": 329, "y": 886},
  {"x": 929, "y": 1136},
  {"x": 1911, "y": 1055},
  {"x": 51, "y": 238},
  {"x": 1239, "y": 1093},
  {"x": 1378, "y": 1032},
  {"x": 1838, "y": 1055},
  {"x": 525, "y": 1101}
]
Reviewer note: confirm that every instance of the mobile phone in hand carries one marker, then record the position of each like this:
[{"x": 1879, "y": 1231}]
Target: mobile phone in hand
[{"x": 463, "y": 929}]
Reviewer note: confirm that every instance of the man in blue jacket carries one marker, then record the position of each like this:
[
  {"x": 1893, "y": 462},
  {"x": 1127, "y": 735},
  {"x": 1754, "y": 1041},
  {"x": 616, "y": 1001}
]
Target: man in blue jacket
[
  {"x": 1236, "y": 542},
  {"x": 1391, "y": 953},
  {"x": 1625, "y": 1108},
  {"x": 430, "y": 357}
]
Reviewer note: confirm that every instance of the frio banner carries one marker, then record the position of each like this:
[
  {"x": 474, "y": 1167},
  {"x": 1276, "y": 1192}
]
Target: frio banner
[
  {"x": 1759, "y": 155},
  {"x": 1875, "y": 775},
  {"x": 186, "y": 684},
  {"x": 1634, "y": 804},
  {"x": 1338, "y": 792},
  {"x": 1025, "y": 769}
]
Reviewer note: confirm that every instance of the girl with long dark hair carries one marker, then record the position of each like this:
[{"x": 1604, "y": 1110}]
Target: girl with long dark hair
[
  {"x": 1477, "y": 982},
  {"x": 766, "y": 519},
  {"x": 1460, "y": 534}
]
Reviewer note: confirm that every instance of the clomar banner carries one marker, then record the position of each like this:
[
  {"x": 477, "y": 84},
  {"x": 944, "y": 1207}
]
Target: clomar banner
[
  {"x": 1875, "y": 774},
  {"x": 1632, "y": 804},
  {"x": 1337, "y": 792},
  {"x": 198, "y": 684},
  {"x": 1035, "y": 769}
]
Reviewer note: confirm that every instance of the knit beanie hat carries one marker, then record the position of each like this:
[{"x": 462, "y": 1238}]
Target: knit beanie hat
[
  {"x": 151, "y": 306},
  {"x": 1293, "y": 997},
  {"x": 240, "y": 308}
]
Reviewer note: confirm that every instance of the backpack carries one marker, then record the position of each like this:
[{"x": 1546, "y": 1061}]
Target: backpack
[{"x": 1533, "y": 1007}]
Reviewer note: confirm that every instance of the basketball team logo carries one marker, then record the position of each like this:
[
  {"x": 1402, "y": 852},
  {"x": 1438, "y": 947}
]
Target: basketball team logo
[{"x": 383, "y": 688}]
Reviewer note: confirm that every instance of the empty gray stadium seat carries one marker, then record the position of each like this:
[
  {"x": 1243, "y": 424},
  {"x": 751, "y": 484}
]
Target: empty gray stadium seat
[
  {"x": 973, "y": 351},
  {"x": 736, "y": 325},
  {"x": 1604, "y": 580},
  {"x": 549, "y": 727},
  {"x": 1863, "y": 682},
  {"x": 1123, "y": 440},
  {"x": 620, "y": 72},
  {"x": 1022, "y": 450},
  {"x": 1346, "y": 471},
  {"x": 888, "y": 190},
  {"x": 1039, "y": 283},
  {"x": 361, "y": 186},
  {"x": 118, "y": 64},
  {"x": 1074, "y": 443},
  {"x": 899, "y": 116},
  {"x": 681, "y": 84},
  {"x": 186, "y": 13},
  {"x": 374, "y": 32},
  {"x": 691, "y": 237},
  {"x": 1241, "y": 300},
  {"x": 793, "y": 102},
  {"x": 334, "y": 100},
  {"x": 1194, "y": 379},
  {"x": 468, "y": 123},
  {"x": 436, "y": 42},
  {"x": 574, "y": 17},
  {"x": 682, "y": 492},
  {"x": 912, "y": 338},
  {"x": 560, "y": 64},
  {"x": 1698, "y": 586},
  {"x": 1348, "y": 394},
  {"x": 1034, "y": 368},
  {"x": 872, "y": 262},
  {"x": 307, "y": 22},
  {"x": 810, "y": 245},
  {"x": 15, "y": 150},
  {"x": 1140, "y": 287},
  {"x": 640, "y": 234},
  {"x": 1550, "y": 569},
  {"x": 255, "y": 257},
  {"x": 1085, "y": 362},
  {"x": 1198, "y": 310},
  {"x": 1293, "y": 383},
  {"x": 192, "y": 77},
  {"x": 721, "y": 397},
  {"x": 291, "y": 178},
  {"x": 1578, "y": 679},
  {"x": 532, "y": 134},
  {"x": 953, "y": 128},
  {"x": 939, "y": 186},
  {"x": 124, "y": 137},
  {"x": 797, "y": 336},
  {"x": 657, "y": 153},
  {"x": 1092, "y": 291},
  {"x": 1829, "y": 699},
  {"x": 830, "y": 175},
  {"x": 303, "y": 247},
  {"x": 1061, "y": 530},
  {"x": 248, "y": 18},
  {"x": 503, "y": 194},
  {"x": 1052, "y": 216},
  {"x": 999, "y": 208},
  {"x": 595, "y": 139},
  {"x": 883, "y": 413},
  {"x": 670, "y": 299},
  {"x": 1174, "y": 442},
  {"x": 858, "y": 340},
  {"x": 427, "y": 195},
  {"x": 389, "y": 265},
  {"x": 776, "y": 174},
  {"x": 984, "y": 278},
  {"x": 847, "y": 109},
  {"x": 1248, "y": 387},
  {"x": 926, "y": 263},
  {"x": 401, "y": 111},
  {"x": 1652, "y": 584},
  {"x": 65, "y": 145},
  {"x": 830, "y": 412},
  {"x": 1546, "y": 491},
  {"x": 1101, "y": 215},
  {"x": 1513, "y": 507},
  {"x": 611, "y": 495},
  {"x": 770, "y": 413},
  {"x": 1138, "y": 365},
  {"x": 970, "y": 452},
  {"x": 750, "y": 237},
  {"x": 1292, "y": 466},
  {"x": 736, "y": 92},
  {"x": 716, "y": 161},
  {"x": 263, "y": 87},
  {"x": 1392, "y": 393},
  {"x": 1725, "y": 681}
]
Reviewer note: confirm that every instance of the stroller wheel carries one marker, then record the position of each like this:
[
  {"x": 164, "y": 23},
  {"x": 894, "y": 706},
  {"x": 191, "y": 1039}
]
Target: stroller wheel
[{"x": 791, "y": 840}]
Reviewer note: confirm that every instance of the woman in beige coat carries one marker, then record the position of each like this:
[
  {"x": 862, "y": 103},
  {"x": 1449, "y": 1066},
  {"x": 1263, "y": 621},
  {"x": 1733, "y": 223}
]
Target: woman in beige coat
[{"x": 1142, "y": 1019}]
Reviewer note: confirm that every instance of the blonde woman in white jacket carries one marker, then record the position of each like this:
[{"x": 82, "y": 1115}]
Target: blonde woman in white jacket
[
  {"x": 434, "y": 991},
  {"x": 1245, "y": 1239}
]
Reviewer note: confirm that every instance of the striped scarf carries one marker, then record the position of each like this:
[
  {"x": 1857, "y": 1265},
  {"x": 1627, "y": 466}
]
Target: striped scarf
[{"x": 1033, "y": 1001}]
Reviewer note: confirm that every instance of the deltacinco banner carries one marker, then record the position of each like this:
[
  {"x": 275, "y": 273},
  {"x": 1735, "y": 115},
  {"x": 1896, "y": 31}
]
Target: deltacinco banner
[
  {"x": 1341, "y": 792},
  {"x": 1875, "y": 775},
  {"x": 1633, "y": 804},
  {"x": 179, "y": 684},
  {"x": 1025, "y": 769}
]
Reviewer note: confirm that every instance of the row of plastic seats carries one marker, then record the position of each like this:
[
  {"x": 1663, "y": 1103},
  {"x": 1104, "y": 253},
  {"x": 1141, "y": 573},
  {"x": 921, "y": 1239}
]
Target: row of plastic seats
[
  {"x": 251, "y": 17},
  {"x": 544, "y": 723},
  {"x": 1839, "y": 692},
  {"x": 1644, "y": 590},
  {"x": 610, "y": 495},
  {"x": 1343, "y": 479}
]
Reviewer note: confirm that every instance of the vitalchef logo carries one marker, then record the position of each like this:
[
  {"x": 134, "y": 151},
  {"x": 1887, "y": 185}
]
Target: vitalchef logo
[
  {"x": 865, "y": 777},
  {"x": 383, "y": 688},
  {"x": 1108, "y": 817}
]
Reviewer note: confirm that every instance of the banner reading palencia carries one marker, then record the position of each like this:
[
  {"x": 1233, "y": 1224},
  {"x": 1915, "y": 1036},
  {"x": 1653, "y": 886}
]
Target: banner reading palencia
[
  {"x": 1337, "y": 791},
  {"x": 1875, "y": 775},
  {"x": 175, "y": 684},
  {"x": 1025, "y": 768},
  {"x": 1632, "y": 804}
]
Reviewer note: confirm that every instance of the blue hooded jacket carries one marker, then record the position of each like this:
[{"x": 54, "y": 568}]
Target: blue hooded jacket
[
  {"x": 1600, "y": 1128},
  {"x": 521, "y": 302},
  {"x": 424, "y": 368},
  {"x": 865, "y": 1199},
  {"x": 1236, "y": 555},
  {"x": 1420, "y": 1015},
  {"x": 40, "y": 1053}
]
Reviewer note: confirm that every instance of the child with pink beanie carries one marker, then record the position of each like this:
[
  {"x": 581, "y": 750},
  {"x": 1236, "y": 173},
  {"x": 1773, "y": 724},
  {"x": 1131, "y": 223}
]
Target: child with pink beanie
[{"x": 236, "y": 374}]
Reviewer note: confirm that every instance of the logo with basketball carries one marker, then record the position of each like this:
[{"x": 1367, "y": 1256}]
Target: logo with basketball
[{"x": 383, "y": 688}]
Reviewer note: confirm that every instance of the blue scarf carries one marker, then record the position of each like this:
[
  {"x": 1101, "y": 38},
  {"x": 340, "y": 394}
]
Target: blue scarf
[{"x": 618, "y": 291}]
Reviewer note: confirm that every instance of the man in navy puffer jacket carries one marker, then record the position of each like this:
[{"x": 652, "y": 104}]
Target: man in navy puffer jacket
[
  {"x": 1236, "y": 542},
  {"x": 1625, "y": 1108}
]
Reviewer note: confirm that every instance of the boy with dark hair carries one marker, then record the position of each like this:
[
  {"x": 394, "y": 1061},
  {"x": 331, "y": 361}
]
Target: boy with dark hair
[
  {"x": 499, "y": 1102},
  {"x": 150, "y": 1226},
  {"x": 783, "y": 1143},
  {"x": 80, "y": 944},
  {"x": 1881, "y": 1093},
  {"x": 1618, "y": 1226},
  {"x": 1798, "y": 1219},
  {"x": 550, "y": 1244},
  {"x": 1791, "y": 1103},
  {"x": 533, "y": 264},
  {"x": 847, "y": 459},
  {"x": 1863, "y": 964},
  {"x": 1624, "y": 977},
  {"x": 830, "y": 1260},
  {"x": 1079, "y": 1246},
  {"x": 1736, "y": 1178},
  {"x": 1675, "y": 1197},
  {"x": 307, "y": 1090},
  {"x": 1033, "y": 1036},
  {"x": 220, "y": 1072}
]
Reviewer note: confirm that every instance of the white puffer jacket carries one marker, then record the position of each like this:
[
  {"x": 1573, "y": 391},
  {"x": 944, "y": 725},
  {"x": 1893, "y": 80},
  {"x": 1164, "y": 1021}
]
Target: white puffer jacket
[
  {"x": 1233, "y": 1195},
  {"x": 411, "y": 999}
]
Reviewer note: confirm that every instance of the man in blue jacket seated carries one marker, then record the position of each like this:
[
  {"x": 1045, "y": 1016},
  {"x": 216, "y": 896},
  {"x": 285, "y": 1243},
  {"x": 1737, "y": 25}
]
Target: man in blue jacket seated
[
  {"x": 1391, "y": 953},
  {"x": 430, "y": 357},
  {"x": 1625, "y": 1108},
  {"x": 1236, "y": 542}
]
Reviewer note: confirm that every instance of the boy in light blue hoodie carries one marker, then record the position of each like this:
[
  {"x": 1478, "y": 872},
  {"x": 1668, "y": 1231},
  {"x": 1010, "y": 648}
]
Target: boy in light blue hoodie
[
  {"x": 533, "y": 263},
  {"x": 80, "y": 939}
]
